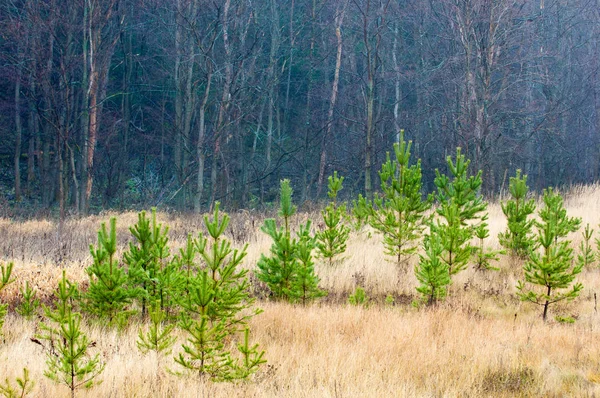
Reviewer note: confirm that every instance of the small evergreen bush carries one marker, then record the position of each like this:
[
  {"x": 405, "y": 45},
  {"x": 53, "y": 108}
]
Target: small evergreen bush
[
  {"x": 460, "y": 212},
  {"x": 518, "y": 237},
  {"x": 5, "y": 280},
  {"x": 331, "y": 241},
  {"x": 23, "y": 388},
  {"x": 216, "y": 309},
  {"x": 67, "y": 359},
  {"x": 288, "y": 271},
  {"x": 550, "y": 266},
  {"x": 399, "y": 214}
]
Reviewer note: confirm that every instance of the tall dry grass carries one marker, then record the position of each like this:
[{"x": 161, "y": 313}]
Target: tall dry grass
[{"x": 481, "y": 342}]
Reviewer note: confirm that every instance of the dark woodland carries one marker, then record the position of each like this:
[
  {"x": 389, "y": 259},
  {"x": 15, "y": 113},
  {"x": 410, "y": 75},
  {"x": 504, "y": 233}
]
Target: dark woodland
[{"x": 181, "y": 103}]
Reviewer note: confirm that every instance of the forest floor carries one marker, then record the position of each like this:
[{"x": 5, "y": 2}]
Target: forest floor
[{"x": 481, "y": 342}]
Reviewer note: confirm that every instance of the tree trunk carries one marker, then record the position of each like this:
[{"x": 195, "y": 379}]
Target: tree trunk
[
  {"x": 339, "y": 18},
  {"x": 223, "y": 106},
  {"x": 19, "y": 135},
  {"x": 546, "y": 304},
  {"x": 200, "y": 144}
]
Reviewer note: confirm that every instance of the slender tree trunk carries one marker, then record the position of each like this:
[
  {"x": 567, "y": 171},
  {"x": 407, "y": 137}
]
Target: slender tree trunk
[
  {"x": 19, "y": 135},
  {"x": 74, "y": 176},
  {"x": 289, "y": 66},
  {"x": 33, "y": 135},
  {"x": 93, "y": 135},
  {"x": 273, "y": 78},
  {"x": 85, "y": 102},
  {"x": 308, "y": 110},
  {"x": 101, "y": 48},
  {"x": 223, "y": 107},
  {"x": 339, "y": 18},
  {"x": 396, "y": 84},
  {"x": 178, "y": 145},
  {"x": 546, "y": 304},
  {"x": 189, "y": 103},
  {"x": 200, "y": 144},
  {"x": 126, "y": 45}
]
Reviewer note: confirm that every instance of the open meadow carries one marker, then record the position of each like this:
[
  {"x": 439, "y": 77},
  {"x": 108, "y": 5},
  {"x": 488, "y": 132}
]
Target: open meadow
[{"x": 481, "y": 341}]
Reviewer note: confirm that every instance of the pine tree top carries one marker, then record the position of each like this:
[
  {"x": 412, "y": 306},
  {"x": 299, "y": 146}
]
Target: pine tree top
[
  {"x": 286, "y": 207},
  {"x": 518, "y": 185},
  {"x": 335, "y": 185}
]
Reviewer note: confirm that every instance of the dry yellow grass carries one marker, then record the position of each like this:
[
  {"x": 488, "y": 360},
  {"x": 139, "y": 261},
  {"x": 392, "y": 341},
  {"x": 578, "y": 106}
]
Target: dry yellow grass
[{"x": 481, "y": 342}]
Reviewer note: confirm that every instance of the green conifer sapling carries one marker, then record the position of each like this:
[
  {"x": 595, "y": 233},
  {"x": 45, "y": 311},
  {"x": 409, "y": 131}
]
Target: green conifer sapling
[
  {"x": 460, "y": 209},
  {"x": 400, "y": 213},
  {"x": 518, "y": 236},
  {"x": 67, "y": 357},
  {"x": 24, "y": 386},
  {"x": 551, "y": 267},
  {"x": 5, "y": 280},
  {"x": 108, "y": 295},
  {"x": 432, "y": 272},
  {"x": 29, "y": 303},
  {"x": 216, "y": 309},
  {"x": 331, "y": 241},
  {"x": 586, "y": 256}
]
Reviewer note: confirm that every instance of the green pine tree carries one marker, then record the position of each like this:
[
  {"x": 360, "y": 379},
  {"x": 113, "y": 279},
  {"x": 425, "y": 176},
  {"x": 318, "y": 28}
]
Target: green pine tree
[
  {"x": 5, "y": 280},
  {"x": 24, "y": 386},
  {"x": 484, "y": 256},
  {"x": 518, "y": 236},
  {"x": 550, "y": 266},
  {"x": 216, "y": 304},
  {"x": 331, "y": 241},
  {"x": 108, "y": 295},
  {"x": 359, "y": 297},
  {"x": 555, "y": 213},
  {"x": 460, "y": 209},
  {"x": 67, "y": 346},
  {"x": 148, "y": 265},
  {"x": 289, "y": 270},
  {"x": 29, "y": 305},
  {"x": 158, "y": 337},
  {"x": 432, "y": 272},
  {"x": 279, "y": 269},
  {"x": 586, "y": 256},
  {"x": 454, "y": 238},
  {"x": 399, "y": 215},
  {"x": 305, "y": 284}
]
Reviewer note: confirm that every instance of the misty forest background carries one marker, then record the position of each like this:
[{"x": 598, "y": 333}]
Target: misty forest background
[{"x": 179, "y": 103}]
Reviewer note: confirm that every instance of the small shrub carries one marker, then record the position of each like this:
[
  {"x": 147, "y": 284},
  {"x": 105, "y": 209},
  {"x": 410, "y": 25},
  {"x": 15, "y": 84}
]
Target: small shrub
[
  {"x": 67, "y": 359},
  {"x": 359, "y": 297},
  {"x": 22, "y": 389},
  {"x": 512, "y": 381},
  {"x": 564, "y": 319},
  {"x": 29, "y": 304},
  {"x": 5, "y": 280}
]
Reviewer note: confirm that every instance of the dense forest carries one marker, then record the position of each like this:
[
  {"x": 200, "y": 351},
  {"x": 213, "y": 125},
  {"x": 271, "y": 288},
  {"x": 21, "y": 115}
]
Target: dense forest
[{"x": 120, "y": 103}]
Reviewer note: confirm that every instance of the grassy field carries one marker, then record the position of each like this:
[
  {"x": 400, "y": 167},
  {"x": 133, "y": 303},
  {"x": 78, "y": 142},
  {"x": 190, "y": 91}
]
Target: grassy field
[{"x": 481, "y": 342}]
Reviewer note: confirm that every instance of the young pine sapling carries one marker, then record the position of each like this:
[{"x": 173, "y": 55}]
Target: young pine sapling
[
  {"x": 108, "y": 296},
  {"x": 432, "y": 272},
  {"x": 551, "y": 267},
  {"x": 484, "y": 256},
  {"x": 5, "y": 280},
  {"x": 67, "y": 359},
  {"x": 29, "y": 305},
  {"x": 22, "y": 389},
  {"x": 460, "y": 209},
  {"x": 331, "y": 241},
  {"x": 586, "y": 255},
  {"x": 399, "y": 215},
  {"x": 216, "y": 309},
  {"x": 518, "y": 237}
]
